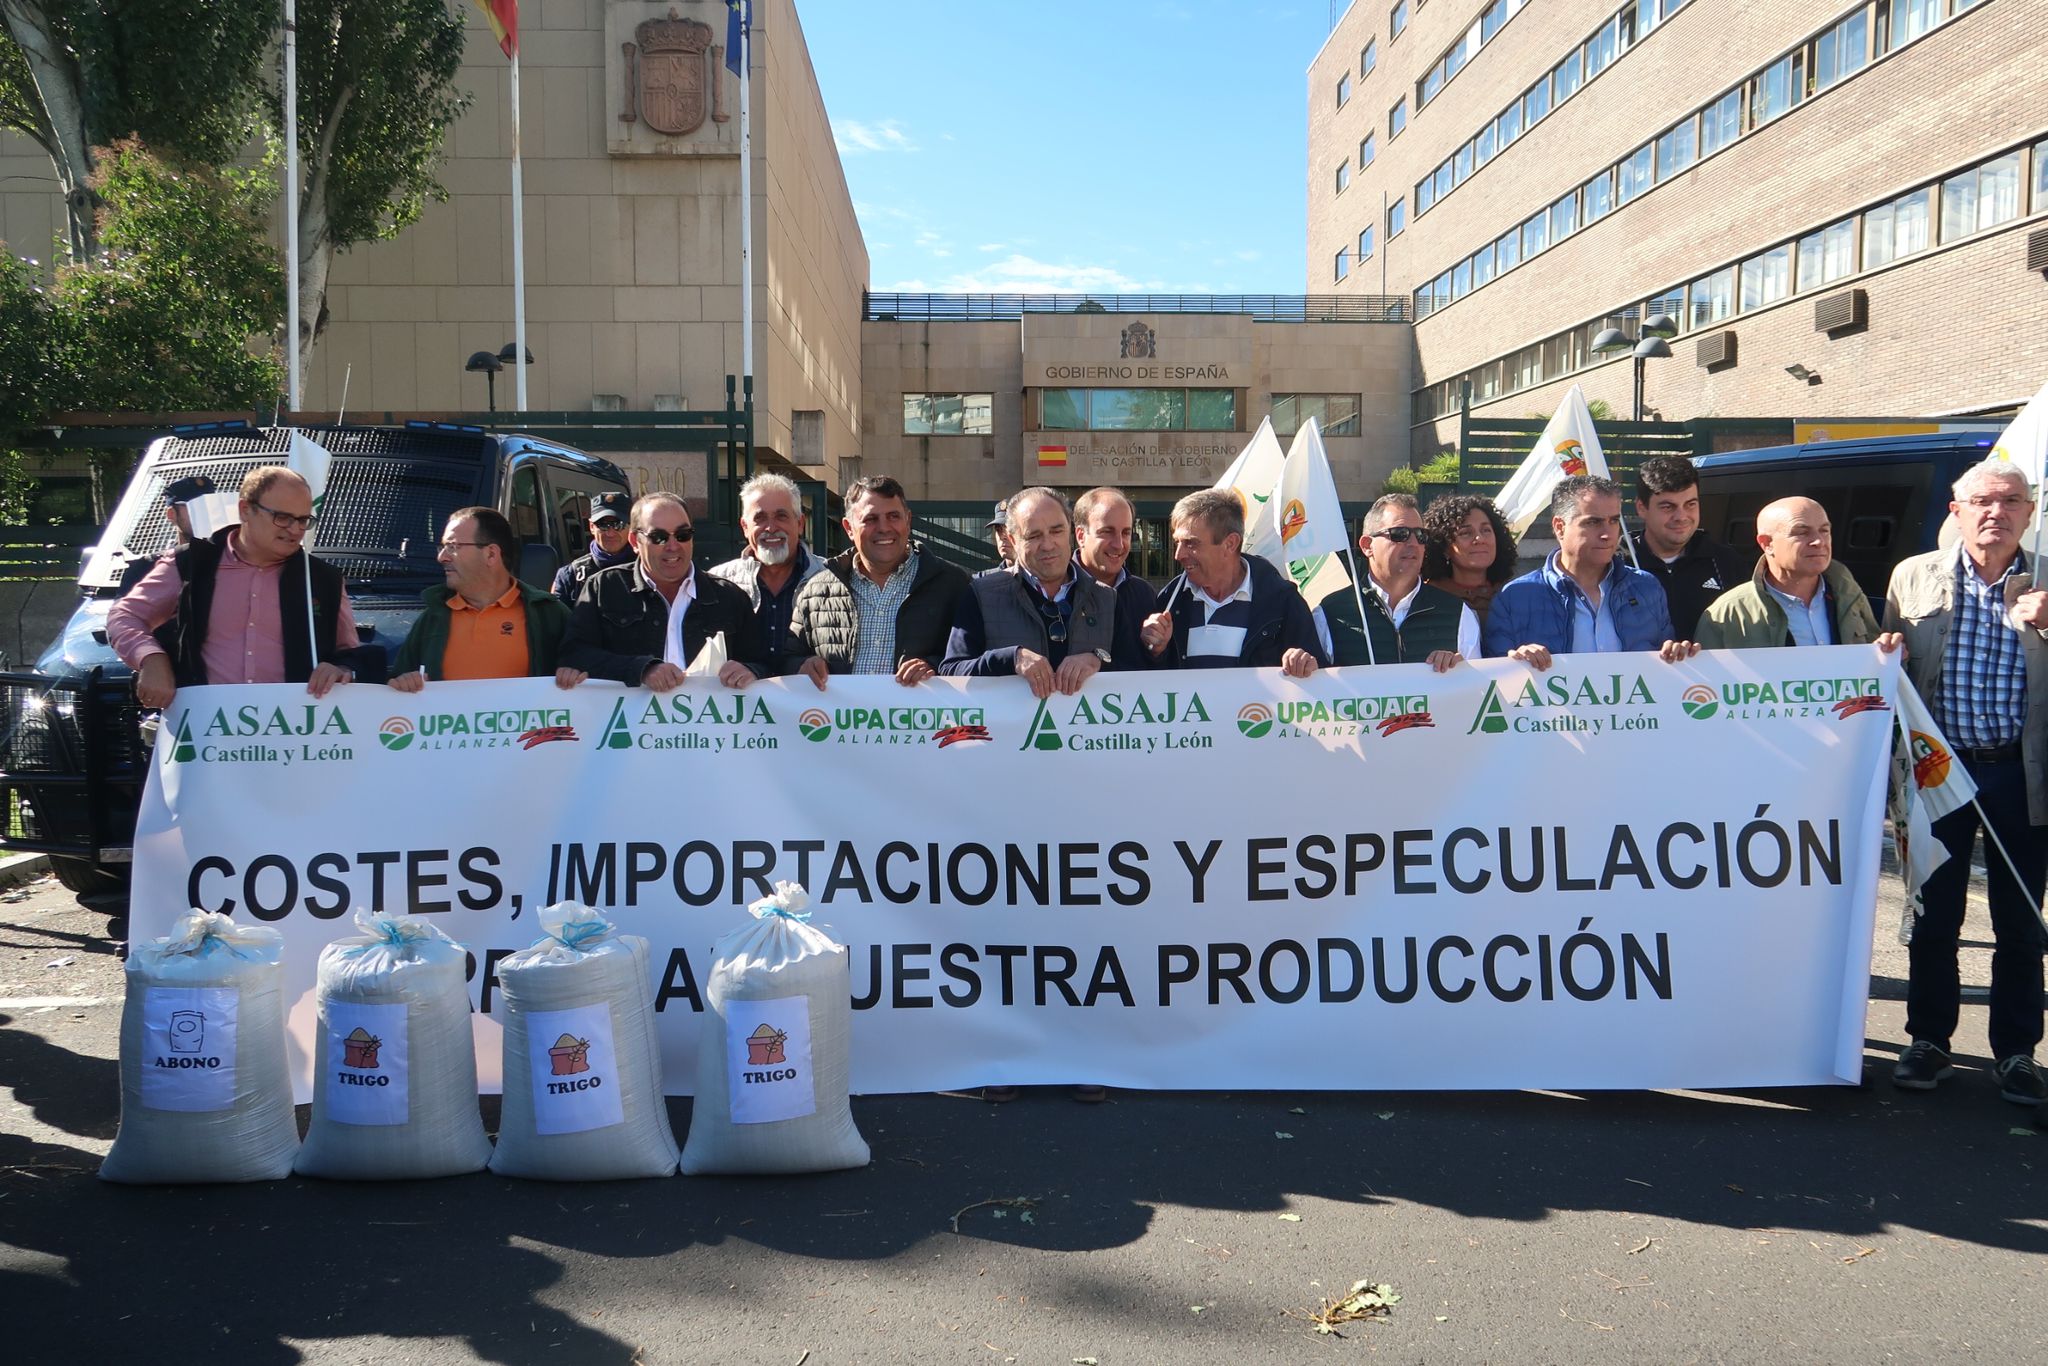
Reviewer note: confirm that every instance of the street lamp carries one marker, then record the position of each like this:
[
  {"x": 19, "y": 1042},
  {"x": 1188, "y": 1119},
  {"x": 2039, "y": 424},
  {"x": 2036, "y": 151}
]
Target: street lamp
[
  {"x": 489, "y": 365},
  {"x": 1651, "y": 345}
]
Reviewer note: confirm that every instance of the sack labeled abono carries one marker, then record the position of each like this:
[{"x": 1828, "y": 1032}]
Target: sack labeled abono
[
  {"x": 394, "y": 1065},
  {"x": 206, "y": 1094},
  {"x": 583, "y": 1090},
  {"x": 773, "y": 1055}
]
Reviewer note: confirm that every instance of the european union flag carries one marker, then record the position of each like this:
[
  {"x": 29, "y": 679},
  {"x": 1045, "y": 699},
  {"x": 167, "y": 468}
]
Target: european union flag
[{"x": 739, "y": 22}]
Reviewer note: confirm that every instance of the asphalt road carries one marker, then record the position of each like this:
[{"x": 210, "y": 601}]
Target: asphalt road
[{"x": 1830, "y": 1224}]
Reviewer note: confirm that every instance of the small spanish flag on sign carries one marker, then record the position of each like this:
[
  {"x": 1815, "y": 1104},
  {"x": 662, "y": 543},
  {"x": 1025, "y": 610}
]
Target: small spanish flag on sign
[
  {"x": 504, "y": 19},
  {"x": 1052, "y": 455}
]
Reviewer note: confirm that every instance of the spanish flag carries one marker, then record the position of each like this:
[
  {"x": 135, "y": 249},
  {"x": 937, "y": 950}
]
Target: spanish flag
[
  {"x": 1052, "y": 455},
  {"x": 504, "y": 19}
]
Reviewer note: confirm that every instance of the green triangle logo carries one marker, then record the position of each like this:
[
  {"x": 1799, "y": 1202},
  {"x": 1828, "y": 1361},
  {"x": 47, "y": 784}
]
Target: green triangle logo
[
  {"x": 617, "y": 734},
  {"x": 184, "y": 751},
  {"x": 1042, "y": 733},
  {"x": 1492, "y": 718}
]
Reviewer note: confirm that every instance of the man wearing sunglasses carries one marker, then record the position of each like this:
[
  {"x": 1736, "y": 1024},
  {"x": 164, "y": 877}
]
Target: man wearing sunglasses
[
  {"x": 236, "y": 604},
  {"x": 608, "y": 513},
  {"x": 1045, "y": 620},
  {"x": 642, "y": 623},
  {"x": 1408, "y": 621}
]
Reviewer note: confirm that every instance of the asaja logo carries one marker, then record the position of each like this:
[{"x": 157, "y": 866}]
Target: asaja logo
[
  {"x": 1255, "y": 720},
  {"x": 395, "y": 733},
  {"x": 259, "y": 735},
  {"x": 1042, "y": 733},
  {"x": 1699, "y": 701},
  {"x": 1116, "y": 720},
  {"x": 1293, "y": 518},
  {"x": 814, "y": 725},
  {"x": 683, "y": 720},
  {"x": 1931, "y": 761},
  {"x": 1559, "y": 703},
  {"x": 184, "y": 751},
  {"x": 1571, "y": 458}
]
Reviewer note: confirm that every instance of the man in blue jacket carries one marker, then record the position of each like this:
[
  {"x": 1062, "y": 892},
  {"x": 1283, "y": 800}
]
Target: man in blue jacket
[{"x": 1583, "y": 600}]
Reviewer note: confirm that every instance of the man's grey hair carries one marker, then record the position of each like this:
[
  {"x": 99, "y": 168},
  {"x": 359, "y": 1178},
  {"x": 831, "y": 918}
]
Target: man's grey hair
[
  {"x": 1014, "y": 505},
  {"x": 1996, "y": 469},
  {"x": 1564, "y": 500},
  {"x": 1376, "y": 515},
  {"x": 1220, "y": 512},
  {"x": 1085, "y": 504},
  {"x": 768, "y": 482}
]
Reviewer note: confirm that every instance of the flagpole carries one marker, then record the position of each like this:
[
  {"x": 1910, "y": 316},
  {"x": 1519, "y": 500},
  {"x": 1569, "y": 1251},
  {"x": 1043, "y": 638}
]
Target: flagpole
[
  {"x": 291, "y": 201},
  {"x": 2010, "y": 867},
  {"x": 746, "y": 204},
  {"x": 1364, "y": 622},
  {"x": 518, "y": 247}
]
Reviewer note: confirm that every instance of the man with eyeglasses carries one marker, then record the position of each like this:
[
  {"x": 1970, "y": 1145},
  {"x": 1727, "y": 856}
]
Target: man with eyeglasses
[
  {"x": 482, "y": 622},
  {"x": 235, "y": 604},
  {"x": 643, "y": 623},
  {"x": 1045, "y": 620},
  {"x": 1976, "y": 629},
  {"x": 608, "y": 546},
  {"x": 1408, "y": 621}
]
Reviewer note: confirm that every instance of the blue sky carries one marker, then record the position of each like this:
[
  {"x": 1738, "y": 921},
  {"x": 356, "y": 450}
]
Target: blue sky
[{"x": 1134, "y": 146}]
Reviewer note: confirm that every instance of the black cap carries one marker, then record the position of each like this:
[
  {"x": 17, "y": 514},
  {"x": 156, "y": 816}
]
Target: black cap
[
  {"x": 1000, "y": 517},
  {"x": 186, "y": 489},
  {"x": 619, "y": 505}
]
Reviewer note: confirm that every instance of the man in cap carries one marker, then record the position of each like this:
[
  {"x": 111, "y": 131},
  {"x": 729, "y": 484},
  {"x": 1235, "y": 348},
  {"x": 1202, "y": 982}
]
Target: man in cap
[
  {"x": 177, "y": 494},
  {"x": 609, "y": 513},
  {"x": 998, "y": 528},
  {"x": 776, "y": 563},
  {"x": 482, "y": 622}
]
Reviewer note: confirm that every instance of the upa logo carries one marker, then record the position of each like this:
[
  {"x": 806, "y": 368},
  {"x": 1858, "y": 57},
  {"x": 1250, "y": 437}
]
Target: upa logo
[
  {"x": 1802, "y": 698},
  {"x": 814, "y": 725},
  {"x": 396, "y": 733},
  {"x": 1699, "y": 701},
  {"x": 1571, "y": 458},
  {"x": 1255, "y": 720}
]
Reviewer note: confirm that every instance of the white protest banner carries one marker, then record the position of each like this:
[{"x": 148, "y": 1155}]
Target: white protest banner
[{"x": 1436, "y": 881}]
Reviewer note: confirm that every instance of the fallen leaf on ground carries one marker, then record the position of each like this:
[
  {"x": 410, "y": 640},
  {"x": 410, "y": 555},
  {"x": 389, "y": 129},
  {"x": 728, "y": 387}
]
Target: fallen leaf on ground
[
  {"x": 1297, "y": 1110},
  {"x": 1278, "y": 1134},
  {"x": 1196, "y": 1308},
  {"x": 2023, "y": 1133},
  {"x": 1386, "y": 1114},
  {"x": 60, "y": 962},
  {"x": 1364, "y": 1302},
  {"x": 1290, "y": 1218}
]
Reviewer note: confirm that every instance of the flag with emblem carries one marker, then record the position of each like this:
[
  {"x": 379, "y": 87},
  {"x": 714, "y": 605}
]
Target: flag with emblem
[
  {"x": 1252, "y": 477},
  {"x": 1308, "y": 520},
  {"x": 503, "y": 17},
  {"x": 1928, "y": 782},
  {"x": 2024, "y": 443},
  {"x": 1569, "y": 446}
]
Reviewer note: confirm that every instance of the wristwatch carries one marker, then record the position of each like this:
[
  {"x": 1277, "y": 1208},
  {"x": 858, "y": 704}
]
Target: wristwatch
[{"x": 1102, "y": 655}]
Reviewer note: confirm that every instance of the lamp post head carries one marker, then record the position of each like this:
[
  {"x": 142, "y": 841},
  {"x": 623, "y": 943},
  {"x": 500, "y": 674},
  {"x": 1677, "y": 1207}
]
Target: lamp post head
[
  {"x": 1652, "y": 348},
  {"x": 482, "y": 362},
  {"x": 1611, "y": 341},
  {"x": 508, "y": 354},
  {"x": 1660, "y": 325}
]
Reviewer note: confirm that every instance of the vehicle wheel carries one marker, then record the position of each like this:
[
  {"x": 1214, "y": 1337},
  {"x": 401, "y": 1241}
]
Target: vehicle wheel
[{"x": 90, "y": 879}]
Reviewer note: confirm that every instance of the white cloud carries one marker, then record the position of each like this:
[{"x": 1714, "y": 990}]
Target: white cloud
[
  {"x": 852, "y": 137},
  {"x": 991, "y": 247},
  {"x": 1248, "y": 255}
]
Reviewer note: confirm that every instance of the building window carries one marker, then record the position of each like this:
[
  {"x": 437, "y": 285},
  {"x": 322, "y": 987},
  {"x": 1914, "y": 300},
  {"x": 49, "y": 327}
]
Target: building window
[
  {"x": 1343, "y": 266},
  {"x": 1365, "y": 152},
  {"x": 2040, "y": 176},
  {"x": 1490, "y": 21},
  {"x": 1137, "y": 410},
  {"x": 1842, "y": 50},
  {"x": 1442, "y": 289},
  {"x": 1369, "y": 58},
  {"x": 1536, "y": 103},
  {"x": 1827, "y": 255},
  {"x": 1566, "y": 78},
  {"x": 1482, "y": 265},
  {"x": 1911, "y": 18},
  {"x": 1397, "y": 218},
  {"x": 1422, "y": 302},
  {"x": 1713, "y": 298},
  {"x": 1444, "y": 182},
  {"x": 1212, "y": 410},
  {"x": 1766, "y": 278},
  {"x": 1895, "y": 229},
  {"x": 1535, "y": 234},
  {"x": 949, "y": 415},
  {"x": 1601, "y": 48},
  {"x": 1507, "y": 251},
  {"x": 1461, "y": 162},
  {"x": 1981, "y": 198},
  {"x": 1397, "y": 118},
  {"x": 1671, "y": 303},
  {"x": 1343, "y": 90},
  {"x": 1461, "y": 278},
  {"x": 1564, "y": 217},
  {"x": 1632, "y": 176},
  {"x": 1510, "y": 124},
  {"x": 1721, "y": 123},
  {"x": 1598, "y": 196},
  {"x": 1431, "y": 83},
  {"x": 1425, "y": 194},
  {"x": 1397, "y": 19},
  {"x": 1343, "y": 176},
  {"x": 1775, "y": 91},
  {"x": 1676, "y": 149},
  {"x": 1336, "y": 414},
  {"x": 1066, "y": 410},
  {"x": 1364, "y": 244},
  {"x": 1482, "y": 146}
]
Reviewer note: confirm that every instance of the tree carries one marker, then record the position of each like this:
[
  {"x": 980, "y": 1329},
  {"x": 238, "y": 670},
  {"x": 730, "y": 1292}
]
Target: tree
[{"x": 182, "y": 75}]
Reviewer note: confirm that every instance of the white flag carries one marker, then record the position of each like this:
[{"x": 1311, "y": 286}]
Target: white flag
[
  {"x": 1569, "y": 446},
  {"x": 1308, "y": 521},
  {"x": 212, "y": 512},
  {"x": 1928, "y": 782},
  {"x": 310, "y": 460},
  {"x": 2025, "y": 444},
  {"x": 1252, "y": 477}
]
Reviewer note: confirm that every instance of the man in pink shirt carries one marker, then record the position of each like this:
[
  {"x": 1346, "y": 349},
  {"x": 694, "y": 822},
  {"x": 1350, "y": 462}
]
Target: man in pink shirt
[{"x": 236, "y": 604}]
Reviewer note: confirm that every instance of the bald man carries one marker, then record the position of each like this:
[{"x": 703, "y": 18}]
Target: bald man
[{"x": 1798, "y": 595}]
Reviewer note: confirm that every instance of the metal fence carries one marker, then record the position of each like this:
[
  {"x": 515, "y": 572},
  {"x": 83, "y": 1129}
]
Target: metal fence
[
  {"x": 43, "y": 552},
  {"x": 1491, "y": 449},
  {"x": 1265, "y": 308}
]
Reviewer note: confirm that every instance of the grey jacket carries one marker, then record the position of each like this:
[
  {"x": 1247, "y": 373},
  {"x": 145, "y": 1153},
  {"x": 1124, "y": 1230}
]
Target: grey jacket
[
  {"x": 826, "y": 620},
  {"x": 745, "y": 571},
  {"x": 1921, "y": 603}
]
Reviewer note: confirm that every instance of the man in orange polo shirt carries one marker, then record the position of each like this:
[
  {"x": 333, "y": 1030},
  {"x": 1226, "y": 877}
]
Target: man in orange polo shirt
[{"x": 483, "y": 622}]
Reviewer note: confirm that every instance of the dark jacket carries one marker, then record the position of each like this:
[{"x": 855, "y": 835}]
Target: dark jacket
[
  {"x": 772, "y": 613},
  {"x": 1703, "y": 571},
  {"x": 571, "y": 577},
  {"x": 199, "y": 564},
  {"x": 619, "y": 629},
  {"x": 1536, "y": 609},
  {"x": 826, "y": 620},
  {"x": 1280, "y": 621},
  {"x": 1001, "y": 614},
  {"x": 1135, "y": 600},
  {"x": 427, "y": 642},
  {"x": 1431, "y": 625}
]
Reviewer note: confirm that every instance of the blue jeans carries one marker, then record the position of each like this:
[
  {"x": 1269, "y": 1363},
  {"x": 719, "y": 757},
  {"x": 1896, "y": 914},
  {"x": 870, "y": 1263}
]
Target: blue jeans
[{"x": 1934, "y": 991}]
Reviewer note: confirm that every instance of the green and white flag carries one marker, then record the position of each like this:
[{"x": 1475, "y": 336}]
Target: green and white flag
[
  {"x": 1252, "y": 477},
  {"x": 310, "y": 461},
  {"x": 1308, "y": 519},
  {"x": 1569, "y": 446},
  {"x": 2025, "y": 444}
]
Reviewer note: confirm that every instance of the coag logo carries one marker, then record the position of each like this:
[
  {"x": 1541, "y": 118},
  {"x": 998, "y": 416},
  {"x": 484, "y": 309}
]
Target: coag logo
[
  {"x": 1255, "y": 720},
  {"x": 396, "y": 733},
  {"x": 1796, "y": 698},
  {"x": 1293, "y": 518},
  {"x": 1699, "y": 701},
  {"x": 1930, "y": 761},
  {"x": 814, "y": 725},
  {"x": 1571, "y": 458}
]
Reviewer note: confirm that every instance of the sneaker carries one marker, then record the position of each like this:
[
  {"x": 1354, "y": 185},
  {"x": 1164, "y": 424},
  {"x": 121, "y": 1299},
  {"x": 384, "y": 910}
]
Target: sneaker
[
  {"x": 2019, "y": 1080},
  {"x": 1923, "y": 1067}
]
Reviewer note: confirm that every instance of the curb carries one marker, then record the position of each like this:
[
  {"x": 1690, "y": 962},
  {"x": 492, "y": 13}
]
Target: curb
[{"x": 19, "y": 868}]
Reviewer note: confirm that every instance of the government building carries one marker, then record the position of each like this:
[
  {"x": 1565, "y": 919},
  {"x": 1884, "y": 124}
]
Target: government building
[{"x": 1830, "y": 208}]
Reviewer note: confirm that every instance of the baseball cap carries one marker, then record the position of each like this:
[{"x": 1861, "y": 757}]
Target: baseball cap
[
  {"x": 606, "y": 505},
  {"x": 1000, "y": 517},
  {"x": 186, "y": 489}
]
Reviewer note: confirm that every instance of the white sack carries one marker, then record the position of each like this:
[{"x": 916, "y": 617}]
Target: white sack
[
  {"x": 394, "y": 1068},
  {"x": 582, "y": 1075},
  {"x": 205, "y": 1091},
  {"x": 772, "y": 1061}
]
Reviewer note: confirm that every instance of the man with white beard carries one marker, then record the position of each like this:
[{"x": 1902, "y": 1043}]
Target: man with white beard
[{"x": 776, "y": 563}]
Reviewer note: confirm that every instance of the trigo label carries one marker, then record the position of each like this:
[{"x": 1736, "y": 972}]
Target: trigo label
[
  {"x": 768, "y": 1060},
  {"x": 574, "y": 1070},
  {"x": 367, "y": 1063},
  {"x": 188, "y": 1048}
]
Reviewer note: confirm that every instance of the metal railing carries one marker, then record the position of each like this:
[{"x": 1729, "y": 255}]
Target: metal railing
[{"x": 1265, "y": 308}]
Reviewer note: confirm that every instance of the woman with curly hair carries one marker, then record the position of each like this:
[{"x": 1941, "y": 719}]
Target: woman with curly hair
[{"x": 1471, "y": 552}]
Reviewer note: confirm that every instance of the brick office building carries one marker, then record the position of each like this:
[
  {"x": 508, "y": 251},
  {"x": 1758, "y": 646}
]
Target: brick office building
[{"x": 1852, "y": 189}]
